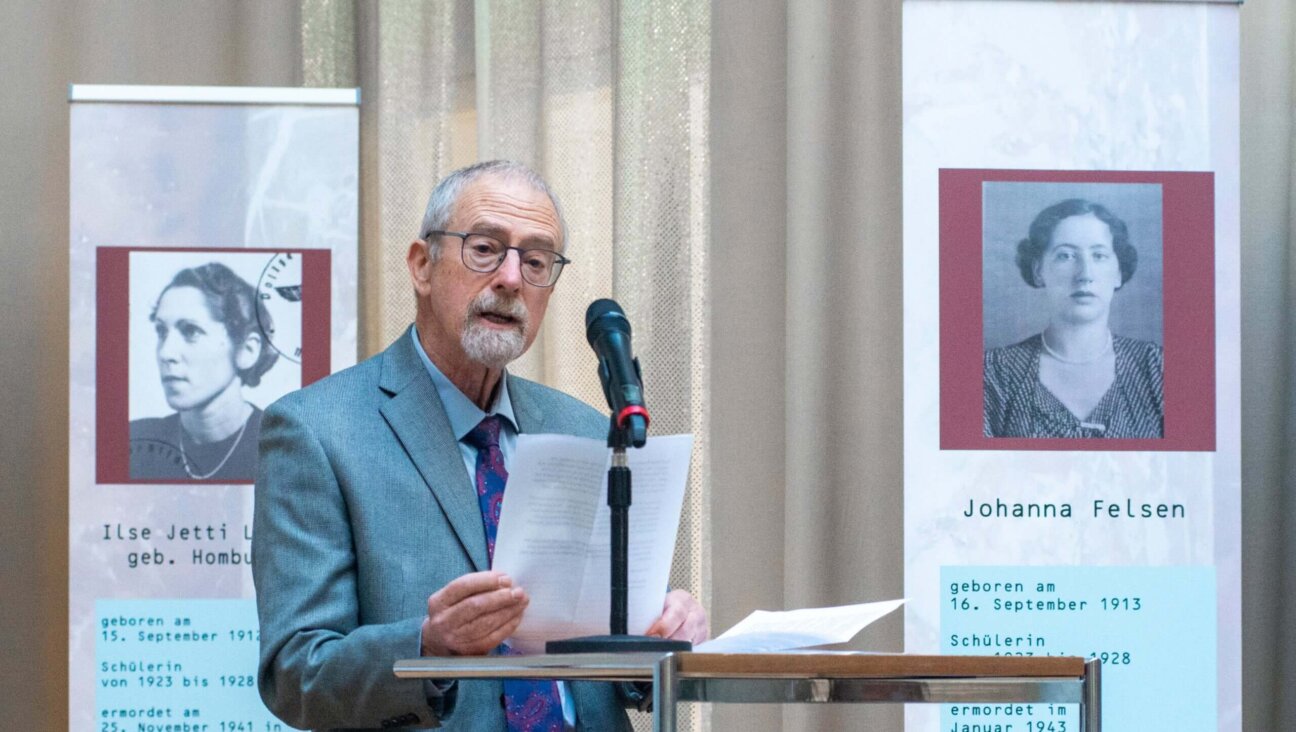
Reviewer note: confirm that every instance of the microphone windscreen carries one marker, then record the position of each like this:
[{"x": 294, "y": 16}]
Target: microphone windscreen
[{"x": 600, "y": 308}]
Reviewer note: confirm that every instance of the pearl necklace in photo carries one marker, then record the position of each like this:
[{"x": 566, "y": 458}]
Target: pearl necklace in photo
[{"x": 1078, "y": 362}]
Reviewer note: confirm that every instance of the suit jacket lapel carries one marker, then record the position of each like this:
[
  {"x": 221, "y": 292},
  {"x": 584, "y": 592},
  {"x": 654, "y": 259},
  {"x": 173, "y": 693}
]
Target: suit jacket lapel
[
  {"x": 416, "y": 416},
  {"x": 529, "y": 419}
]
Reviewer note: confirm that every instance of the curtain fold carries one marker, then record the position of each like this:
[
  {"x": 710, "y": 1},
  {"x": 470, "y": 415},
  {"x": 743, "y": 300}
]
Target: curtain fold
[
  {"x": 806, "y": 205},
  {"x": 844, "y": 357},
  {"x": 749, "y": 224},
  {"x": 1268, "y": 69}
]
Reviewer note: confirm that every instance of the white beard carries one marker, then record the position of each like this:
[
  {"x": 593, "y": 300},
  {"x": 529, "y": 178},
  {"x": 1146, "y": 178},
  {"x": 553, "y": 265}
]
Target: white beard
[{"x": 494, "y": 348}]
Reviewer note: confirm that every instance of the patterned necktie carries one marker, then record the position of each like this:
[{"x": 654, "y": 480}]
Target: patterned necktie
[{"x": 530, "y": 706}]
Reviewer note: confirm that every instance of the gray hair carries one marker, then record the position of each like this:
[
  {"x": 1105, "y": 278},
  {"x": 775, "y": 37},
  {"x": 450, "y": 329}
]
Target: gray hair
[{"x": 446, "y": 194}]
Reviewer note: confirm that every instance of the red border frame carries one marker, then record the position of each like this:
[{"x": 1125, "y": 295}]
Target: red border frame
[
  {"x": 112, "y": 347},
  {"x": 1188, "y": 300}
]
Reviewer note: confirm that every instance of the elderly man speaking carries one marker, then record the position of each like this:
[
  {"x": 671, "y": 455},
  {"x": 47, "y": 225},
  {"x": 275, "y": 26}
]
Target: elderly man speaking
[{"x": 378, "y": 490}]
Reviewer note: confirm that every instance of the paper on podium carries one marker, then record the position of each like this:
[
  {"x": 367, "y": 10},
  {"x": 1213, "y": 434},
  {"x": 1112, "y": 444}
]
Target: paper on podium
[
  {"x": 768, "y": 632},
  {"x": 554, "y": 534}
]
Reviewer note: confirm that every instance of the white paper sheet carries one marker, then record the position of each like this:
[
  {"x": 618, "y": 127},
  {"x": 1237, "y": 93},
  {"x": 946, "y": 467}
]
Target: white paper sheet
[
  {"x": 765, "y": 632},
  {"x": 554, "y": 532}
]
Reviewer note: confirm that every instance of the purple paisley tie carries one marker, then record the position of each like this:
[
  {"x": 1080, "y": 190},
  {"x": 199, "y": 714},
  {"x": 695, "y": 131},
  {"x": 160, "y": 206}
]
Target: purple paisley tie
[{"x": 531, "y": 706}]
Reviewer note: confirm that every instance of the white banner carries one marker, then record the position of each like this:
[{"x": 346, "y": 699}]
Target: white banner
[
  {"x": 1072, "y": 393},
  {"x": 213, "y": 269}
]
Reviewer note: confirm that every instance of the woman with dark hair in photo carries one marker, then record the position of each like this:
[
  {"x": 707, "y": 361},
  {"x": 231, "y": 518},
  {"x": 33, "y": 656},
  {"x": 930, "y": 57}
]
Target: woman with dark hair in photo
[
  {"x": 210, "y": 345},
  {"x": 1076, "y": 379}
]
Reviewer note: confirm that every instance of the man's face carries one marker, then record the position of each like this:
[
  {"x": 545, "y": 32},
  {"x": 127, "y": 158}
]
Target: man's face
[{"x": 491, "y": 318}]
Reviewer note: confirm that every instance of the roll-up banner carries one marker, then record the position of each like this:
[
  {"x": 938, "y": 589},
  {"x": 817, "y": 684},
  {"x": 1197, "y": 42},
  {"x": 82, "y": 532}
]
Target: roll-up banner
[
  {"x": 213, "y": 269},
  {"x": 1071, "y": 343}
]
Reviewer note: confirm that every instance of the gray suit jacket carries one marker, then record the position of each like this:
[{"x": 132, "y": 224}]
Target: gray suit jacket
[{"x": 363, "y": 509}]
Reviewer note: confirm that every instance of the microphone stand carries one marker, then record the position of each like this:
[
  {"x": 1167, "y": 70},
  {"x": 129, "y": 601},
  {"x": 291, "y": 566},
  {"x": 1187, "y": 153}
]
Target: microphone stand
[{"x": 632, "y": 431}]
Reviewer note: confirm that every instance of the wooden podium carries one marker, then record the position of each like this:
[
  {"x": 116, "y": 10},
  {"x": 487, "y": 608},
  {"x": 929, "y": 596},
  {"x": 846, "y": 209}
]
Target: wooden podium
[{"x": 801, "y": 677}]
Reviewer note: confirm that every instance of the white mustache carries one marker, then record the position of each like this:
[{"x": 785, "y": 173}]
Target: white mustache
[{"x": 489, "y": 302}]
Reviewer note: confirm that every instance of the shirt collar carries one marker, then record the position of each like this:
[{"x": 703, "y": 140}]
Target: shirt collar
[{"x": 462, "y": 412}]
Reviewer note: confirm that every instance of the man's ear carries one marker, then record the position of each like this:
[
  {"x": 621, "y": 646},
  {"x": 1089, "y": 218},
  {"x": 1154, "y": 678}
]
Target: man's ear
[{"x": 420, "y": 266}]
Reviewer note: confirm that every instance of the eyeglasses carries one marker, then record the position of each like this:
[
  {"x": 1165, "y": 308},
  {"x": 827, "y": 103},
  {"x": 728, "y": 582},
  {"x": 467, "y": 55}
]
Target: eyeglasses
[{"x": 485, "y": 254}]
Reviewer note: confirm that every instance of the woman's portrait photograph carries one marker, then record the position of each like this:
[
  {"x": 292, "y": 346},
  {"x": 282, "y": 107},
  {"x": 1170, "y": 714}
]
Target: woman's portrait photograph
[
  {"x": 1072, "y": 310},
  {"x": 203, "y": 365}
]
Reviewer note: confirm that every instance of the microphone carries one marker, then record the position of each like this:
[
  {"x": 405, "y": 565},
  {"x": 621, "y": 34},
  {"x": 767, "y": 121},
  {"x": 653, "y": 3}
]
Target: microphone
[{"x": 608, "y": 333}]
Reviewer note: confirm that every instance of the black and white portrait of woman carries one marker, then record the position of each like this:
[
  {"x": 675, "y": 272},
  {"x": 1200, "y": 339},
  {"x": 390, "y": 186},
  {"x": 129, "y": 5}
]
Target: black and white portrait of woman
[
  {"x": 1074, "y": 374},
  {"x": 210, "y": 347}
]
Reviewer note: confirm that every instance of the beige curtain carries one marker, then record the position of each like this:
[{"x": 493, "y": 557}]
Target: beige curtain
[
  {"x": 806, "y": 336},
  {"x": 1268, "y": 357}
]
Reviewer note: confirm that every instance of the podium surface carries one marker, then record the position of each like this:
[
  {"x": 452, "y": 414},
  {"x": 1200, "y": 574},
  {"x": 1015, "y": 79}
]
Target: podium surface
[{"x": 801, "y": 677}]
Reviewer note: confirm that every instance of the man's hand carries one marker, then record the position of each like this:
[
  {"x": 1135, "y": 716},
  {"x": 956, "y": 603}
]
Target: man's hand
[
  {"x": 472, "y": 615},
  {"x": 682, "y": 618}
]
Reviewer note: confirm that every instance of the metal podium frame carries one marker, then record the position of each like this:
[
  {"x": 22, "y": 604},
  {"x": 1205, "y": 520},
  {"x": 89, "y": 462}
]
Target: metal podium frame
[{"x": 801, "y": 677}]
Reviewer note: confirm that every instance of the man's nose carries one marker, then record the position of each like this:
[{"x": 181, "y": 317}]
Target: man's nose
[{"x": 509, "y": 274}]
